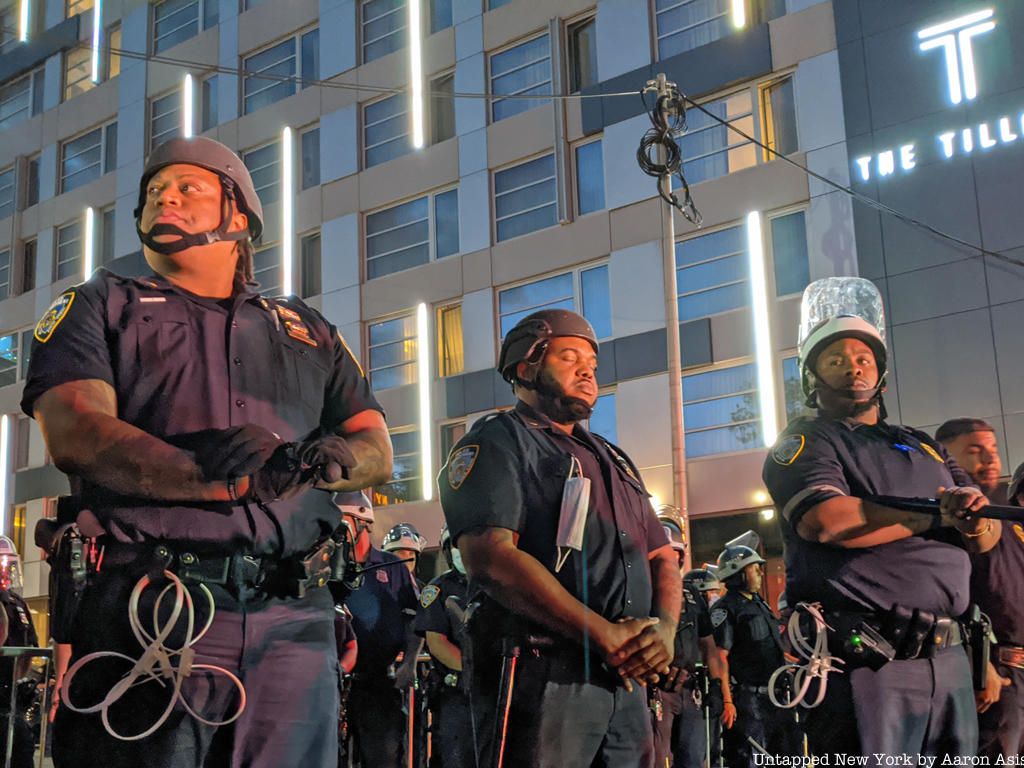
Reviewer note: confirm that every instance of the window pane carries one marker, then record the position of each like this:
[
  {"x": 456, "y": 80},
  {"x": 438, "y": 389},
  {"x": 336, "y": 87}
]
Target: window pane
[
  {"x": 106, "y": 248},
  {"x": 113, "y": 59},
  {"x": 525, "y": 198},
  {"x": 524, "y": 69},
  {"x": 210, "y": 107},
  {"x": 27, "y": 341},
  {"x": 687, "y": 24},
  {"x": 311, "y": 267},
  {"x": 793, "y": 389},
  {"x": 589, "y": 178},
  {"x": 15, "y": 100},
  {"x": 385, "y": 130},
  {"x": 77, "y": 72},
  {"x": 311, "y": 158},
  {"x": 789, "y": 250},
  {"x": 278, "y": 61},
  {"x": 398, "y": 238},
  {"x": 450, "y": 435},
  {"x": 582, "y": 55},
  {"x": 81, "y": 159},
  {"x": 384, "y": 27},
  {"x": 264, "y": 165},
  {"x": 6, "y": 192},
  {"x": 5, "y": 274},
  {"x": 602, "y": 420},
  {"x": 406, "y": 471},
  {"x": 442, "y": 109},
  {"x": 267, "y": 270},
  {"x": 446, "y": 223},
  {"x": 33, "y": 181},
  {"x": 164, "y": 119},
  {"x": 8, "y": 359},
  {"x": 211, "y": 13},
  {"x": 110, "y": 148},
  {"x": 550, "y": 293},
  {"x": 780, "y": 118},
  {"x": 713, "y": 273},
  {"x": 28, "y": 266},
  {"x": 174, "y": 21},
  {"x": 739, "y": 437},
  {"x": 597, "y": 303},
  {"x": 393, "y": 353},
  {"x": 311, "y": 56},
  {"x": 702, "y": 386},
  {"x": 38, "y": 90},
  {"x": 440, "y": 15},
  {"x": 450, "y": 359},
  {"x": 709, "y": 148},
  {"x": 69, "y": 250},
  {"x": 721, "y": 411}
]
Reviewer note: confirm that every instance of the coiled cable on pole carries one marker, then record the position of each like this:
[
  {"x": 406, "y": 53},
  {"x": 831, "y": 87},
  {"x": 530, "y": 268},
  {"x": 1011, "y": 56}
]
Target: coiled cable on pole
[{"x": 668, "y": 119}]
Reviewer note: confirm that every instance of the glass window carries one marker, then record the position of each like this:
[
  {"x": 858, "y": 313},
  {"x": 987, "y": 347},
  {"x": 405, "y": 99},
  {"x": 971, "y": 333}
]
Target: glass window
[
  {"x": 6, "y": 192},
  {"x": 311, "y": 158},
  {"x": 310, "y": 46},
  {"x": 721, "y": 411},
  {"x": 88, "y": 157},
  {"x": 8, "y": 359},
  {"x": 385, "y": 130},
  {"x": 525, "y": 198},
  {"x": 28, "y": 266},
  {"x": 266, "y": 268},
  {"x": 712, "y": 273},
  {"x": 75, "y": 7},
  {"x": 779, "y": 112},
  {"x": 175, "y": 21},
  {"x": 440, "y": 15},
  {"x": 492, "y": 4},
  {"x": 106, "y": 233},
  {"x": 683, "y": 25},
  {"x": 15, "y": 102},
  {"x": 26, "y": 351},
  {"x": 264, "y": 165},
  {"x": 77, "y": 71},
  {"x": 5, "y": 274},
  {"x": 450, "y": 359},
  {"x": 589, "y": 296},
  {"x": 442, "y": 108},
  {"x": 789, "y": 252},
  {"x": 602, "y": 420},
  {"x": 210, "y": 107},
  {"x": 393, "y": 352},
  {"x": 450, "y": 435},
  {"x": 589, "y": 178},
  {"x": 524, "y": 70},
  {"x": 9, "y": 27},
  {"x": 412, "y": 233},
  {"x": 278, "y": 61},
  {"x": 22, "y": 437},
  {"x": 164, "y": 119},
  {"x": 310, "y": 252},
  {"x": 69, "y": 250},
  {"x": 384, "y": 24},
  {"x": 112, "y": 65},
  {"x": 709, "y": 148},
  {"x": 582, "y": 54},
  {"x": 38, "y": 86},
  {"x": 32, "y": 192},
  {"x": 406, "y": 473},
  {"x": 793, "y": 390}
]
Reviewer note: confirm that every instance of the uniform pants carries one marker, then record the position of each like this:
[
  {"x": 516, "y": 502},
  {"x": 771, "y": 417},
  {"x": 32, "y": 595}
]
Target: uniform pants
[
  {"x": 23, "y": 750},
  {"x": 774, "y": 729},
  {"x": 680, "y": 737},
  {"x": 560, "y": 719},
  {"x": 913, "y": 707},
  {"x": 378, "y": 723},
  {"x": 282, "y": 649},
  {"x": 452, "y": 735},
  {"x": 1001, "y": 727}
]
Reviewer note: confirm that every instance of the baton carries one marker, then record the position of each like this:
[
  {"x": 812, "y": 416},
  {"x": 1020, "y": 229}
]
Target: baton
[{"x": 931, "y": 507}]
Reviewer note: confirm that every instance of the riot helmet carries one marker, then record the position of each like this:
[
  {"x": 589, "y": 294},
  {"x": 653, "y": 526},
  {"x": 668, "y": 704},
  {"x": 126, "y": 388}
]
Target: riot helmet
[
  {"x": 355, "y": 504},
  {"x": 735, "y": 557},
  {"x": 702, "y": 579},
  {"x": 529, "y": 339},
  {"x": 10, "y": 566},
  {"x": 672, "y": 524},
  {"x": 403, "y": 536}
]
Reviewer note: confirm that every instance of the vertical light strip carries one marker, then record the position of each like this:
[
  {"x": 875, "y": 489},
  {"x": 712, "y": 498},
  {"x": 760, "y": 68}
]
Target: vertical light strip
[
  {"x": 97, "y": 26},
  {"x": 426, "y": 422},
  {"x": 187, "y": 101},
  {"x": 23, "y": 20},
  {"x": 762, "y": 329},
  {"x": 5, "y": 453},
  {"x": 90, "y": 243},
  {"x": 287, "y": 210},
  {"x": 739, "y": 14},
  {"x": 416, "y": 73}
]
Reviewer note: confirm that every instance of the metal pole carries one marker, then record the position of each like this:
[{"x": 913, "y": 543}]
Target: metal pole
[{"x": 675, "y": 380}]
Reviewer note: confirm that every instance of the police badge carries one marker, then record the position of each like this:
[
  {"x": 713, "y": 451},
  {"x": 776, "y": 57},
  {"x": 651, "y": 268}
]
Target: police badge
[
  {"x": 461, "y": 464},
  {"x": 52, "y": 318},
  {"x": 429, "y": 595},
  {"x": 788, "y": 449}
]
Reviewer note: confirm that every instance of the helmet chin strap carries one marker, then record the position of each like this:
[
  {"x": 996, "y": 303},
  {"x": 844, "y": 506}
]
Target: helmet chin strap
[
  {"x": 186, "y": 240},
  {"x": 856, "y": 400}
]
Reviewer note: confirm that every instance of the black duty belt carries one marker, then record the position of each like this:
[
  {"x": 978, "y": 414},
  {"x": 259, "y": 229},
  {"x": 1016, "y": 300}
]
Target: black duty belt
[
  {"x": 913, "y": 634},
  {"x": 1011, "y": 656}
]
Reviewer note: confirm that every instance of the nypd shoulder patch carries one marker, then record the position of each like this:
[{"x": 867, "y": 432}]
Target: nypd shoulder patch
[
  {"x": 429, "y": 595},
  {"x": 53, "y": 316},
  {"x": 718, "y": 616},
  {"x": 788, "y": 449},
  {"x": 1017, "y": 529},
  {"x": 460, "y": 464}
]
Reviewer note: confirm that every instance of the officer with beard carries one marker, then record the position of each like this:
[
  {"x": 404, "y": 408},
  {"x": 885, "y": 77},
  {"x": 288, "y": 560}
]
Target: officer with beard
[
  {"x": 580, "y": 587},
  {"x": 891, "y": 583}
]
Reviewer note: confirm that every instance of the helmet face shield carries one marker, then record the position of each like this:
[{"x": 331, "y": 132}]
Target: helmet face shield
[
  {"x": 833, "y": 297},
  {"x": 10, "y": 566},
  {"x": 403, "y": 536}
]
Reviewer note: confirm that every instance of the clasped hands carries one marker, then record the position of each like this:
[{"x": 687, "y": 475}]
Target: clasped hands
[{"x": 639, "y": 650}]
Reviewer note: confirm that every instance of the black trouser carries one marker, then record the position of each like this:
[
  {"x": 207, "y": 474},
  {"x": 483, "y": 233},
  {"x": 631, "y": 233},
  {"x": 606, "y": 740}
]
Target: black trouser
[
  {"x": 1001, "y": 727},
  {"x": 774, "y": 729},
  {"x": 377, "y": 721},
  {"x": 282, "y": 649},
  {"x": 23, "y": 750},
  {"x": 451, "y": 729},
  {"x": 912, "y": 707}
]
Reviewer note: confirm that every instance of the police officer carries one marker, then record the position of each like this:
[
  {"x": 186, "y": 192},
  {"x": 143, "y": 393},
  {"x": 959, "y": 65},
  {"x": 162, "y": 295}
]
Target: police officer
[
  {"x": 405, "y": 542},
  {"x": 997, "y": 575},
  {"x": 680, "y": 729},
  {"x": 891, "y": 583},
  {"x": 704, "y": 583},
  {"x": 749, "y": 645},
  {"x": 383, "y": 608},
  {"x": 437, "y": 620},
  {"x": 202, "y": 424},
  {"x": 16, "y": 630},
  {"x": 559, "y": 538}
]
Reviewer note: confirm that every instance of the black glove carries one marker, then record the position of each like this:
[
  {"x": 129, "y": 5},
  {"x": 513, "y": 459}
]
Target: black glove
[
  {"x": 223, "y": 454},
  {"x": 329, "y": 457},
  {"x": 281, "y": 477}
]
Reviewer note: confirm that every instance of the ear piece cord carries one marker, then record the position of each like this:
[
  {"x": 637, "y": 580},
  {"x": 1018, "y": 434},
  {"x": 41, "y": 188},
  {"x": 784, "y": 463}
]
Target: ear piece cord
[
  {"x": 819, "y": 663},
  {"x": 158, "y": 663}
]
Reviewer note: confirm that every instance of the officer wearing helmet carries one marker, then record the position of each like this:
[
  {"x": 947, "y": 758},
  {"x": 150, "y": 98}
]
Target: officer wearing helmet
[
  {"x": 438, "y": 620},
  {"x": 16, "y": 630},
  {"x": 680, "y": 730},
  {"x": 705, "y": 581},
  {"x": 750, "y": 647},
  {"x": 580, "y": 586},
  {"x": 900, "y": 579},
  {"x": 203, "y": 425},
  {"x": 405, "y": 542}
]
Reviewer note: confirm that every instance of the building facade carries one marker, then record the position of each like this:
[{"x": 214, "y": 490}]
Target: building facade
[{"x": 424, "y": 257}]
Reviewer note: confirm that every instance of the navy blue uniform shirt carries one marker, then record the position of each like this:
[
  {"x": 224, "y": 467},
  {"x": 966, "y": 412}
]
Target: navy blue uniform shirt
[
  {"x": 749, "y": 631},
  {"x": 179, "y": 363},
  {"x": 997, "y": 585},
  {"x": 694, "y": 624},
  {"x": 382, "y": 609},
  {"x": 509, "y": 472},
  {"x": 432, "y": 615},
  {"x": 818, "y": 459}
]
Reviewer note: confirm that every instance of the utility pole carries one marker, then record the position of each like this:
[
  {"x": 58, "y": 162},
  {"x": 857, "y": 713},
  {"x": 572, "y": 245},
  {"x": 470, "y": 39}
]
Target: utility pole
[{"x": 664, "y": 90}]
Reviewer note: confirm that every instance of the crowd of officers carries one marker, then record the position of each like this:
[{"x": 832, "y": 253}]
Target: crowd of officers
[{"x": 219, "y": 599}]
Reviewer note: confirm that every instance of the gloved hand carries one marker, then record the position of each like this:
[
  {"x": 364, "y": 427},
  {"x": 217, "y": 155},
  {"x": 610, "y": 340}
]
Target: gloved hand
[
  {"x": 294, "y": 467},
  {"x": 234, "y": 452},
  {"x": 329, "y": 457}
]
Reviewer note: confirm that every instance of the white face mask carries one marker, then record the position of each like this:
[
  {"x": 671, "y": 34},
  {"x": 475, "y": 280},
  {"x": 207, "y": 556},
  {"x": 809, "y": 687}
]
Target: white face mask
[{"x": 457, "y": 561}]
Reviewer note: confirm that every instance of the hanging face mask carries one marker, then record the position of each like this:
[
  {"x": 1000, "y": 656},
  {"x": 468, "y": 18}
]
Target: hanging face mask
[
  {"x": 457, "y": 561},
  {"x": 572, "y": 518}
]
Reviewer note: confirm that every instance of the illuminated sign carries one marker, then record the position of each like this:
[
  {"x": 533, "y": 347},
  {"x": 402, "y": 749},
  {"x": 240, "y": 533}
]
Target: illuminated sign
[{"x": 955, "y": 39}]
